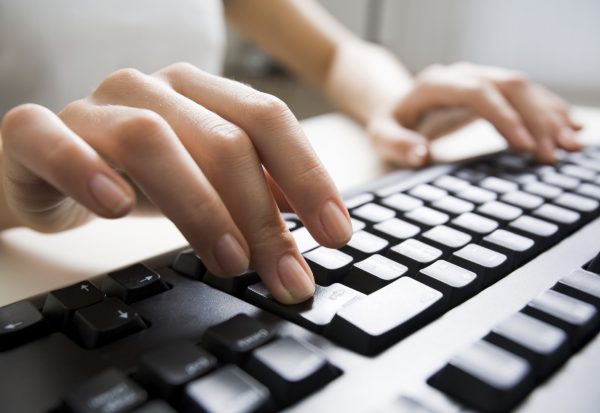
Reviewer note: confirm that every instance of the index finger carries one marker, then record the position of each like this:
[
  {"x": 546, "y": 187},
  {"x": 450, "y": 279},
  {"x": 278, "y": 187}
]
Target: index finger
[{"x": 280, "y": 143}]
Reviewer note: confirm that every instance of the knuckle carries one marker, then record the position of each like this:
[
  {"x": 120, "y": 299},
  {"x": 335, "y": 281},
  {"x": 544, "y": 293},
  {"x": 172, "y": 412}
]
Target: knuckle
[
  {"x": 120, "y": 80},
  {"x": 140, "y": 128},
  {"x": 515, "y": 81},
  {"x": 229, "y": 140},
  {"x": 21, "y": 115},
  {"x": 272, "y": 236},
  {"x": 177, "y": 70},
  {"x": 263, "y": 106}
]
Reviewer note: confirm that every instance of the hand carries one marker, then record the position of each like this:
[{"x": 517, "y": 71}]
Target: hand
[
  {"x": 531, "y": 118},
  {"x": 196, "y": 145}
]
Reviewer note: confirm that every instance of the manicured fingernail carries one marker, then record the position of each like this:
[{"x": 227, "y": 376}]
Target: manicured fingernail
[
  {"x": 336, "y": 224},
  {"x": 524, "y": 138},
  {"x": 299, "y": 284},
  {"x": 109, "y": 194},
  {"x": 230, "y": 255},
  {"x": 416, "y": 156}
]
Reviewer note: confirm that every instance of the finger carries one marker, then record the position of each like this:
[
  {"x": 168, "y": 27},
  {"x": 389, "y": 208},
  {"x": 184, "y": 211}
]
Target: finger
[
  {"x": 280, "y": 198},
  {"x": 144, "y": 145},
  {"x": 42, "y": 151},
  {"x": 281, "y": 145},
  {"x": 398, "y": 145},
  {"x": 227, "y": 157}
]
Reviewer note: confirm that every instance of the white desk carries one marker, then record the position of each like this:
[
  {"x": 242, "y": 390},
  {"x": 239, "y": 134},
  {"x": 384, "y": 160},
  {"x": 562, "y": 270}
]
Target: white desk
[{"x": 33, "y": 263}]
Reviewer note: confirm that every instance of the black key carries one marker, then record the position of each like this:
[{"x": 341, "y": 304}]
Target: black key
[
  {"x": 375, "y": 322},
  {"x": 232, "y": 285},
  {"x": 579, "y": 319},
  {"x": 328, "y": 265},
  {"x": 60, "y": 305},
  {"x": 166, "y": 370},
  {"x": 105, "y": 322},
  {"x": 485, "y": 377},
  {"x": 291, "y": 369},
  {"x": 594, "y": 264},
  {"x": 373, "y": 273},
  {"x": 314, "y": 313},
  {"x": 133, "y": 283},
  {"x": 581, "y": 284},
  {"x": 363, "y": 244},
  {"x": 414, "y": 253},
  {"x": 544, "y": 346},
  {"x": 19, "y": 323},
  {"x": 110, "y": 391},
  {"x": 456, "y": 283},
  {"x": 227, "y": 390},
  {"x": 470, "y": 175},
  {"x": 232, "y": 340},
  {"x": 189, "y": 263},
  {"x": 490, "y": 265},
  {"x": 155, "y": 406}
]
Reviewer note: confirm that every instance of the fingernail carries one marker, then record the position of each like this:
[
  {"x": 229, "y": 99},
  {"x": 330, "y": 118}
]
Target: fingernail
[
  {"x": 523, "y": 136},
  {"x": 336, "y": 224},
  {"x": 230, "y": 255},
  {"x": 416, "y": 156},
  {"x": 109, "y": 194},
  {"x": 299, "y": 284}
]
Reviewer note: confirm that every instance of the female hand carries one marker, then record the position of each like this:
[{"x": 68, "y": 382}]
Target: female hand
[
  {"x": 215, "y": 156},
  {"x": 531, "y": 118}
]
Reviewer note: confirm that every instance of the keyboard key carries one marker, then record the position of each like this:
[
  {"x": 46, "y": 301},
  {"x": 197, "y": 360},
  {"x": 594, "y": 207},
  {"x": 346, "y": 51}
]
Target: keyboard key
[
  {"x": 427, "y": 192},
  {"x": 581, "y": 284},
  {"x": 456, "y": 283},
  {"x": 579, "y": 319},
  {"x": 402, "y": 202},
  {"x": 396, "y": 229},
  {"x": 476, "y": 194},
  {"x": 475, "y": 223},
  {"x": 60, "y": 305},
  {"x": 133, "y": 283},
  {"x": 189, "y": 263},
  {"x": 234, "y": 339},
  {"x": 561, "y": 181},
  {"x": 20, "y": 322},
  {"x": 500, "y": 210},
  {"x": 578, "y": 172},
  {"x": 227, "y": 390},
  {"x": 375, "y": 322},
  {"x": 488, "y": 264},
  {"x": 291, "y": 224},
  {"x": 534, "y": 226},
  {"x": 498, "y": 185},
  {"x": 373, "y": 273},
  {"x": 107, "y": 392},
  {"x": 414, "y": 253},
  {"x": 328, "y": 265},
  {"x": 544, "y": 346},
  {"x": 509, "y": 240},
  {"x": 451, "y": 183},
  {"x": 543, "y": 190},
  {"x": 557, "y": 214},
  {"x": 232, "y": 285},
  {"x": 358, "y": 200},
  {"x": 357, "y": 225},
  {"x": 589, "y": 190},
  {"x": 453, "y": 205},
  {"x": 291, "y": 369},
  {"x": 447, "y": 236},
  {"x": 373, "y": 212},
  {"x": 427, "y": 216},
  {"x": 304, "y": 241},
  {"x": 522, "y": 199},
  {"x": 155, "y": 406},
  {"x": 470, "y": 175},
  {"x": 576, "y": 202},
  {"x": 363, "y": 243},
  {"x": 105, "y": 322},
  {"x": 485, "y": 377},
  {"x": 594, "y": 264},
  {"x": 313, "y": 313},
  {"x": 167, "y": 370}
]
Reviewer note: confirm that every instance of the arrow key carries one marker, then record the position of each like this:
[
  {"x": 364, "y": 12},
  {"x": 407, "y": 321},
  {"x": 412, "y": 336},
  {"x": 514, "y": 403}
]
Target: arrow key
[
  {"x": 60, "y": 305},
  {"x": 19, "y": 323},
  {"x": 105, "y": 322},
  {"x": 133, "y": 283}
]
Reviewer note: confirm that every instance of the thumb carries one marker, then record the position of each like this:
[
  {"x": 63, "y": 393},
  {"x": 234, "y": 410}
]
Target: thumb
[{"x": 397, "y": 144}]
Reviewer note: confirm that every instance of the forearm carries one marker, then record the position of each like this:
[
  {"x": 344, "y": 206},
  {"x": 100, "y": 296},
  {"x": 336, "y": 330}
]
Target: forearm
[{"x": 365, "y": 80}]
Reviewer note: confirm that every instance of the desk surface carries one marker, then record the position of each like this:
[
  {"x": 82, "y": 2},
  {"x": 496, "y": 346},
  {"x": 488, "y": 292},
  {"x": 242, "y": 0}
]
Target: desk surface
[{"x": 32, "y": 263}]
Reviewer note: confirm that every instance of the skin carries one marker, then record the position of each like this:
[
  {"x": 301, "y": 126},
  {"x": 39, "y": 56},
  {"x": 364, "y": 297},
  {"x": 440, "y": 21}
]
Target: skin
[{"x": 216, "y": 146}]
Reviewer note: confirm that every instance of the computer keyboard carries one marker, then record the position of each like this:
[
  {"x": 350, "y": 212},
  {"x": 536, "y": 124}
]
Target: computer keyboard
[{"x": 464, "y": 287}]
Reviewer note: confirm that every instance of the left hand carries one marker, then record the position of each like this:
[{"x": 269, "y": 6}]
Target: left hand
[{"x": 530, "y": 117}]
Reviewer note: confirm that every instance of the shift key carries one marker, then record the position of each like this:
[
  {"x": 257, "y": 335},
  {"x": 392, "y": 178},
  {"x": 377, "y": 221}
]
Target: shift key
[{"x": 370, "y": 324}]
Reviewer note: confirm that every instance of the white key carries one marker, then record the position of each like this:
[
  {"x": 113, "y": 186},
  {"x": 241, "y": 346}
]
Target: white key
[
  {"x": 589, "y": 190},
  {"x": 498, "y": 185},
  {"x": 531, "y": 333},
  {"x": 373, "y": 212},
  {"x": 402, "y": 202},
  {"x": 447, "y": 236},
  {"x": 564, "y": 307},
  {"x": 523, "y": 199},
  {"x": 534, "y": 226},
  {"x": 366, "y": 242},
  {"x": 576, "y": 202},
  {"x": 578, "y": 172},
  {"x": 304, "y": 240},
  {"x": 453, "y": 205},
  {"x": 382, "y": 267},
  {"x": 500, "y": 210},
  {"x": 357, "y": 225},
  {"x": 509, "y": 240},
  {"x": 475, "y": 223},
  {"x": 358, "y": 200},
  {"x": 476, "y": 194},
  {"x": 562, "y": 181},
  {"x": 428, "y": 192},
  {"x": 481, "y": 255},
  {"x": 451, "y": 183},
  {"x": 417, "y": 251},
  {"x": 557, "y": 214},
  {"x": 427, "y": 216},
  {"x": 397, "y": 228},
  {"x": 450, "y": 274},
  {"x": 584, "y": 281},
  {"x": 542, "y": 189},
  {"x": 329, "y": 258}
]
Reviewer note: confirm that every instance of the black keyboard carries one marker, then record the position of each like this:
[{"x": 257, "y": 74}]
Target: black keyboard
[{"x": 168, "y": 336}]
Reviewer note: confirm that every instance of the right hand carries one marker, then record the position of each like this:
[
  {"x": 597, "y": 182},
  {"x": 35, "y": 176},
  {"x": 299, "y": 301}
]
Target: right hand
[{"x": 195, "y": 145}]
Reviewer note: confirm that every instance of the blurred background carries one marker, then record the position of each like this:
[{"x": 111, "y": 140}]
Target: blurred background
[{"x": 556, "y": 42}]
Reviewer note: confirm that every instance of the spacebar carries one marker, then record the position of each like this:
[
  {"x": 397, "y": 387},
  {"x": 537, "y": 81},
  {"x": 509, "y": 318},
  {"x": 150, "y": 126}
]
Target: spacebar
[{"x": 370, "y": 324}]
